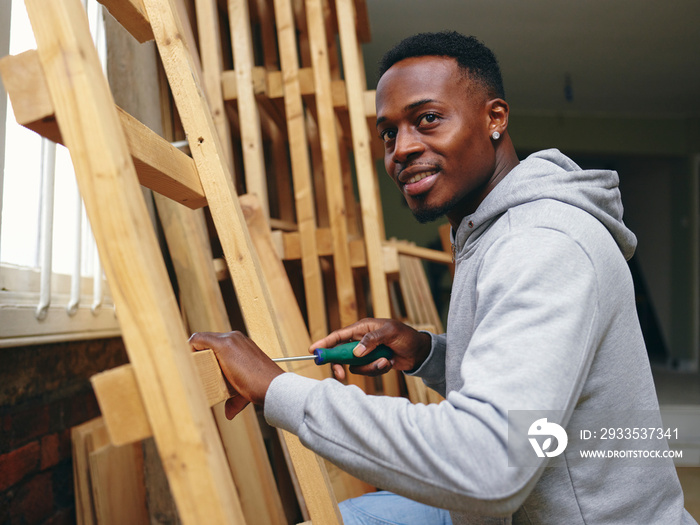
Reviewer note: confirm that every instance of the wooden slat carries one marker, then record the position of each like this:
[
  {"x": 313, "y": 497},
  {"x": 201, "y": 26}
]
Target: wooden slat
[
  {"x": 301, "y": 171},
  {"x": 159, "y": 165},
  {"x": 372, "y": 221},
  {"x": 335, "y": 200},
  {"x": 426, "y": 254},
  {"x": 249, "y": 115},
  {"x": 363, "y": 158},
  {"x": 200, "y": 296},
  {"x": 84, "y": 506},
  {"x": 270, "y": 84},
  {"x": 132, "y": 16},
  {"x": 118, "y": 489},
  {"x": 251, "y": 288},
  {"x": 212, "y": 66},
  {"x": 154, "y": 337},
  {"x": 123, "y": 410},
  {"x": 292, "y": 325}
]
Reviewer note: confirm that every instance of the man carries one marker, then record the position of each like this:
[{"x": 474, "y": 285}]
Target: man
[{"x": 542, "y": 321}]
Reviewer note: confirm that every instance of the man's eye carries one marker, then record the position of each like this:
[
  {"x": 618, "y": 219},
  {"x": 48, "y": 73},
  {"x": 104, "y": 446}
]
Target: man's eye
[
  {"x": 428, "y": 118},
  {"x": 387, "y": 135}
]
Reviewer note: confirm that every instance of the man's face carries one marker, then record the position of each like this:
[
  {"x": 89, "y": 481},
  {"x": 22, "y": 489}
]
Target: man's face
[{"x": 434, "y": 123}]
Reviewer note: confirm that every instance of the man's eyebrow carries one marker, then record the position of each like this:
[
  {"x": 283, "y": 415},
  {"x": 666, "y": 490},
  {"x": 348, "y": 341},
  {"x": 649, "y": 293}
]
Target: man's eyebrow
[{"x": 409, "y": 107}]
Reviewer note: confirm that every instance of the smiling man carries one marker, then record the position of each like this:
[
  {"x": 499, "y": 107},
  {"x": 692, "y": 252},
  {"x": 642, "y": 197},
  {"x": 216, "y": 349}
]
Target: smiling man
[{"x": 542, "y": 324}]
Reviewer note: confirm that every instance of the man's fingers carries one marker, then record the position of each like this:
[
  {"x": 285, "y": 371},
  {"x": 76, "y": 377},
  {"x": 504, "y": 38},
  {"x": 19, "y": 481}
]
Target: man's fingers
[
  {"x": 234, "y": 406},
  {"x": 199, "y": 341},
  {"x": 376, "y": 368},
  {"x": 338, "y": 371}
]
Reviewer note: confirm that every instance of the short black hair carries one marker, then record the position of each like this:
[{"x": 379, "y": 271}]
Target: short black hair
[{"x": 474, "y": 58}]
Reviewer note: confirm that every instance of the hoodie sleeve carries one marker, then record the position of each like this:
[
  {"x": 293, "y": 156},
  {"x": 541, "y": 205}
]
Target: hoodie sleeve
[
  {"x": 531, "y": 349},
  {"x": 432, "y": 370}
]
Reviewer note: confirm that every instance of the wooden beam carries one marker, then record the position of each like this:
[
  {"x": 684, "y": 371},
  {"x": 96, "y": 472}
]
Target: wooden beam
[
  {"x": 248, "y": 112},
  {"x": 270, "y": 84},
  {"x": 132, "y": 16},
  {"x": 335, "y": 199},
  {"x": 154, "y": 336},
  {"x": 324, "y": 238},
  {"x": 200, "y": 296},
  {"x": 211, "y": 56},
  {"x": 123, "y": 409},
  {"x": 301, "y": 171},
  {"x": 426, "y": 254},
  {"x": 159, "y": 165},
  {"x": 252, "y": 290},
  {"x": 292, "y": 325}
]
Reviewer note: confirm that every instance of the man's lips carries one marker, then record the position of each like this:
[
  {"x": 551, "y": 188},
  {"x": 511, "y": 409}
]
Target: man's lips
[{"x": 417, "y": 181}]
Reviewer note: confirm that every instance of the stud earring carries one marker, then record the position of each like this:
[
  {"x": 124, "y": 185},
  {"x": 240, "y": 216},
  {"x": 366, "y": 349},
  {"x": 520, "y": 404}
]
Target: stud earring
[{"x": 495, "y": 135}]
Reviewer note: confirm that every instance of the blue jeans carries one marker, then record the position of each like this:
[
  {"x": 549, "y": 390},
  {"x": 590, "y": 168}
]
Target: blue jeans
[{"x": 387, "y": 508}]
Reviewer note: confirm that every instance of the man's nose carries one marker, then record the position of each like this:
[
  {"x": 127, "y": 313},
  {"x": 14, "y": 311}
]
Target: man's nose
[{"x": 406, "y": 146}]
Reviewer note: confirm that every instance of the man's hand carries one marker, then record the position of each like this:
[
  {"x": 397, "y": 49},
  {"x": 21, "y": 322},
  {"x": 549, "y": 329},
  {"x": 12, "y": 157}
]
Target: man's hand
[
  {"x": 410, "y": 347},
  {"x": 244, "y": 365}
]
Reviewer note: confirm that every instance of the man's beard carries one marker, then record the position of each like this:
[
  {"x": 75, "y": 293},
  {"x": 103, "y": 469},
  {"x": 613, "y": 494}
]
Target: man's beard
[{"x": 425, "y": 215}]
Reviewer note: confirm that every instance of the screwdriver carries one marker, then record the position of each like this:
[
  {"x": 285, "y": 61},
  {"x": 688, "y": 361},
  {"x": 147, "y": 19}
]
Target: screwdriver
[{"x": 341, "y": 354}]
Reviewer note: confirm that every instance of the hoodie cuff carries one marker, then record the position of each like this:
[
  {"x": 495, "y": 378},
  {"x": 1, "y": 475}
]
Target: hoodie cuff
[
  {"x": 285, "y": 401},
  {"x": 432, "y": 370}
]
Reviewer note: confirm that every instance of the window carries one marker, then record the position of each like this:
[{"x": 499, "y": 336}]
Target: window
[{"x": 51, "y": 283}]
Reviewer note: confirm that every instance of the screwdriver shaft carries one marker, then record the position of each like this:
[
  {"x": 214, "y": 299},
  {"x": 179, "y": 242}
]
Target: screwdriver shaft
[{"x": 294, "y": 358}]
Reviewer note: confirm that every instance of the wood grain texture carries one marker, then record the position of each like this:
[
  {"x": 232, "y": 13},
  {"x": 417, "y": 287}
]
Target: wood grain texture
[
  {"x": 249, "y": 115},
  {"x": 301, "y": 171},
  {"x": 211, "y": 56},
  {"x": 118, "y": 488},
  {"x": 251, "y": 288},
  {"x": 335, "y": 199},
  {"x": 132, "y": 16},
  {"x": 190, "y": 251},
  {"x": 159, "y": 166},
  {"x": 153, "y": 334}
]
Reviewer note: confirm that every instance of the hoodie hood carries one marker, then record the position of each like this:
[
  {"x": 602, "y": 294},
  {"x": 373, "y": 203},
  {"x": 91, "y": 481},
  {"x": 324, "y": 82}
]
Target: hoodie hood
[{"x": 549, "y": 174}]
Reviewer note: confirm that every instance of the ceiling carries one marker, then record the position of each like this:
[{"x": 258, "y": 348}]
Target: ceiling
[{"x": 623, "y": 57}]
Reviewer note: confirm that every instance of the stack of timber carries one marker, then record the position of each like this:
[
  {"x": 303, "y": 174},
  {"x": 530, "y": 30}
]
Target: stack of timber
[{"x": 265, "y": 111}]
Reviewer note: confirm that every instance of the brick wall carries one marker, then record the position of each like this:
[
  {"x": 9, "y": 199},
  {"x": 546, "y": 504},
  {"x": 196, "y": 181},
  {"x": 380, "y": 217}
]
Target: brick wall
[{"x": 44, "y": 391}]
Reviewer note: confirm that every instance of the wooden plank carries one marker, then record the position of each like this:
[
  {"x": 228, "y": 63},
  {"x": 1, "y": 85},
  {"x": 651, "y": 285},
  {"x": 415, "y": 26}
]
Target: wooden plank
[
  {"x": 211, "y": 56},
  {"x": 132, "y": 16},
  {"x": 251, "y": 288},
  {"x": 160, "y": 166},
  {"x": 123, "y": 409},
  {"x": 153, "y": 334},
  {"x": 291, "y": 247},
  {"x": 249, "y": 115},
  {"x": 335, "y": 200},
  {"x": 118, "y": 487},
  {"x": 372, "y": 221},
  {"x": 354, "y": 80},
  {"x": 292, "y": 325},
  {"x": 427, "y": 254},
  {"x": 190, "y": 251},
  {"x": 270, "y": 84},
  {"x": 301, "y": 171},
  {"x": 84, "y": 506}
]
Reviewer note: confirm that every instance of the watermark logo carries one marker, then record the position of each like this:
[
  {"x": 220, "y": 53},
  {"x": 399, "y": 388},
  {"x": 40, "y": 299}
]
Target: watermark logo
[{"x": 542, "y": 427}]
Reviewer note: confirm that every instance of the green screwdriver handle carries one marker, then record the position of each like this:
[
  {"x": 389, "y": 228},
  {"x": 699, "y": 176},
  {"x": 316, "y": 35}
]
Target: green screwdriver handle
[{"x": 343, "y": 355}]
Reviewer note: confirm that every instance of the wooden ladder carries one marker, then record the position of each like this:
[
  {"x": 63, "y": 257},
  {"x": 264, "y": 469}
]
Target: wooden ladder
[{"x": 111, "y": 152}]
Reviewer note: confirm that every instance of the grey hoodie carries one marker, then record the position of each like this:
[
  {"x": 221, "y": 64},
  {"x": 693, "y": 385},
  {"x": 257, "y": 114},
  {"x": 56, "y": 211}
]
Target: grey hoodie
[{"x": 542, "y": 318}]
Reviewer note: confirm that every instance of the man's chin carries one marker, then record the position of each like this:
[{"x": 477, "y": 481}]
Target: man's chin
[{"x": 428, "y": 215}]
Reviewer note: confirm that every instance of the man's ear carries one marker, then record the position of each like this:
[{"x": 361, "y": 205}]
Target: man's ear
[{"x": 498, "y": 110}]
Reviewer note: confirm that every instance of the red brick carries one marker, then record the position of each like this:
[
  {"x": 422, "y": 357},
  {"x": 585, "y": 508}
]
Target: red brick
[
  {"x": 29, "y": 424},
  {"x": 49, "y": 451},
  {"x": 18, "y": 463},
  {"x": 62, "y": 517},
  {"x": 33, "y": 502},
  {"x": 65, "y": 445}
]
